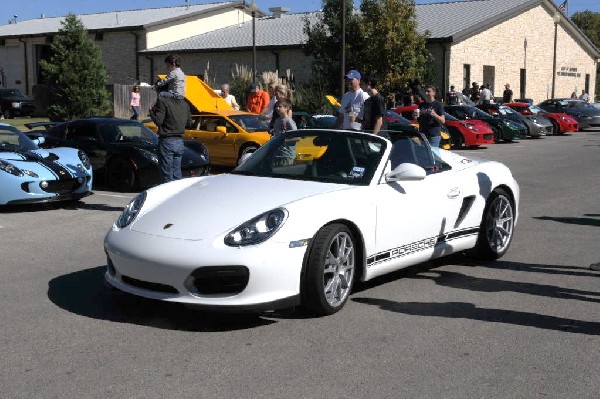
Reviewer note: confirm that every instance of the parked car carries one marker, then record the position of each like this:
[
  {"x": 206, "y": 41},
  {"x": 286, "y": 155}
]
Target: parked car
[
  {"x": 306, "y": 120},
  {"x": 504, "y": 129},
  {"x": 312, "y": 229},
  {"x": 596, "y": 105},
  {"x": 536, "y": 125},
  {"x": 14, "y": 103},
  {"x": 404, "y": 115},
  {"x": 29, "y": 174},
  {"x": 122, "y": 152},
  {"x": 469, "y": 133},
  {"x": 586, "y": 115},
  {"x": 561, "y": 122}
]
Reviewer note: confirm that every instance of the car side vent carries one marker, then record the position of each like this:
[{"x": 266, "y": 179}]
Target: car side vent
[{"x": 464, "y": 209}]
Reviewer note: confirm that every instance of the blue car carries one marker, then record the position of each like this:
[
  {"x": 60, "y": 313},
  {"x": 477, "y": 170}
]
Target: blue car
[{"x": 29, "y": 174}]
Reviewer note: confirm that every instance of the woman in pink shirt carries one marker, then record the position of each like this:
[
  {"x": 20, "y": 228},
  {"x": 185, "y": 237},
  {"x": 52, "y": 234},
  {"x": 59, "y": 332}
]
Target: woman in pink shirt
[{"x": 135, "y": 102}]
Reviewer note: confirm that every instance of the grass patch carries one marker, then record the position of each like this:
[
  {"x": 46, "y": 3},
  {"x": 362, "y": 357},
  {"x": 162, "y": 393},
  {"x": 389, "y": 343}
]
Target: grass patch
[{"x": 19, "y": 123}]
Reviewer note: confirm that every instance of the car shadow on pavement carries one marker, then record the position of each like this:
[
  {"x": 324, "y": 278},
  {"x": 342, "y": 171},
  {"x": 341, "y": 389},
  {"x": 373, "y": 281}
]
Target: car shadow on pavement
[
  {"x": 52, "y": 206},
  {"x": 572, "y": 220},
  {"x": 465, "y": 310},
  {"x": 84, "y": 293}
]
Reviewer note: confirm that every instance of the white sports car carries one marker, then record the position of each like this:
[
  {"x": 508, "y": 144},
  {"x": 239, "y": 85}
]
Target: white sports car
[{"x": 307, "y": 215}]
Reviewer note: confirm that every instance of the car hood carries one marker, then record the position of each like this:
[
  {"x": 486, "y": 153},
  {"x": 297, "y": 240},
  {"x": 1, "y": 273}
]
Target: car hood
[
  {"x": 20, "y": 99},
  {"x": 583, "y": 111},
  {"x": 215, "y": 205}
]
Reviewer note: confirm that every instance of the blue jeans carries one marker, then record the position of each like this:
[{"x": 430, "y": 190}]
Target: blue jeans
[
  {"x": 170, "y": 151},
  {"x": 434, "y": 141}
]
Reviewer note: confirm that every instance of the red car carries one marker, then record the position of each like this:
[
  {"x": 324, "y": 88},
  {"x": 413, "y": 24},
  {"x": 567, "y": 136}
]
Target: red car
[
  {"x": 562, "y": 122},
  {"x": 470, "y": 133}
]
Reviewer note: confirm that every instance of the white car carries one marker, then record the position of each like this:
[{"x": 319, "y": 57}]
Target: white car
[{"x": 304, "y": 217}]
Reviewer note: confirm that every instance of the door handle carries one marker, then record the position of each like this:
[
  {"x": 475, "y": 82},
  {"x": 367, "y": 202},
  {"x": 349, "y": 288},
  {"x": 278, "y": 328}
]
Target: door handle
[{"x": 454, "y": 192}]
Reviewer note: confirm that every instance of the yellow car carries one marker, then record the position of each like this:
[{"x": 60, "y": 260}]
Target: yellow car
[{"x": 227, "y": 134}]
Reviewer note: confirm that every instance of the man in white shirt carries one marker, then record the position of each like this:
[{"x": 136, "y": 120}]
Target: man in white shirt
[
  {"x": 229, "y": 98},
  {"x": 352, "y": 107},
  {"x": 486, "y": 95},
  {"x": 584, "y": 96}
]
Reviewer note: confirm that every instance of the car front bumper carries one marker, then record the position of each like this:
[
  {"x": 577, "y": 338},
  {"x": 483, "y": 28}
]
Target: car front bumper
[{"x": 173, "y": 270}]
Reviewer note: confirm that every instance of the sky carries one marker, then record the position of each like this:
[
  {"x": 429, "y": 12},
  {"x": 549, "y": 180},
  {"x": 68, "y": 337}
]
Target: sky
[{"x": 30, "y": 9}]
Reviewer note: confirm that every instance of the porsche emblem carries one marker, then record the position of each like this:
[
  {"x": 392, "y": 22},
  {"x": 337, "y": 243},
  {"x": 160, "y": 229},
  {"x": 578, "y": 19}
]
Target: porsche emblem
[
  {"x": 168, "y": 225},
  {"x": 62, "y": 172}
]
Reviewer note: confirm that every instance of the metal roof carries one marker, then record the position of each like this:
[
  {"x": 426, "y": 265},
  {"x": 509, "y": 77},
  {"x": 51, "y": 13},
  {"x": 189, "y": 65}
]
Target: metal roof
[
  {"x": 285, "y": 31},
  {"x": 113, "y": 20}
]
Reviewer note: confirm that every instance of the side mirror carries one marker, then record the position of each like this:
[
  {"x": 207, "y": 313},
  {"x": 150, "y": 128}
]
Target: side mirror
[
  {"x": 406, "y": 172},
  {"x": 39, "y": 140},
  {"x": 221, "y": 129}
]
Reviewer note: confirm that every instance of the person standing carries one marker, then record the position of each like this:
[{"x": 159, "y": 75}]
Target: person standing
[
  {"x": 171, "y": 115},
  {"x": 507, "y": 94},
  {"x": 584, "y": 96},
  {"x": 352, "y": 103},
  {"x": 284, "y": 122},
  {"x": 374, "y": 114},
  {"x": 279, "y": 93},
  {"x": 229, "y": 98},
  {"x": 431, "y": 117},
  {"x": 474, "y": 92},
  {"x": 452, "y": 97},
  {"x": 486, "y": 95},
  {"x": 257, "y": 99},
  {"x": 134, "y": 103}
]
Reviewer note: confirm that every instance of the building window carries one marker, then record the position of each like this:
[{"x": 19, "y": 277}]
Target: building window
[
  {"x": 587, "y": 83},
  {"x": 523, "y": 83},
  {"x": 99, "y": 36},
  {"x": 466, "y": 76},
  {"x": 489, "y": 76}
]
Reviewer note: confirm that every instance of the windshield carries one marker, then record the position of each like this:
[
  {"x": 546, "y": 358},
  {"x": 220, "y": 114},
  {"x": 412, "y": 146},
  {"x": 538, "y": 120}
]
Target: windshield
[
  {"x": 127, "y": 132},
  {"x": 578, "y": 104},
  {"x": 11, "y": 93},
  {"x": 251, "y": 123},
  {"x": 468, "y": 113},
  {"x": 317, "y": 155},
  {"x": 536, "y": 110},
  {"x": 13, "y": 140},
  {"x": 504, "y": 110}
]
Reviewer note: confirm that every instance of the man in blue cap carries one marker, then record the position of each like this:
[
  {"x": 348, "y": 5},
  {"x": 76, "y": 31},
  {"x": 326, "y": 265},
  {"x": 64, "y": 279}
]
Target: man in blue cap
[{"x": 352, "y": 107}]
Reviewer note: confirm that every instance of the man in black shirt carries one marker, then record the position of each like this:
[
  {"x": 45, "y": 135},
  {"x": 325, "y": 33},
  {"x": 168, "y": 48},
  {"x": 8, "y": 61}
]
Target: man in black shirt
[
  {"x": 507, "y": 95},
  {"x": 171, "y": 116},
  {"x": 431, "y": 117},
  {"x": 452, "y": 97},
  {"x": 374, "y": 114}
]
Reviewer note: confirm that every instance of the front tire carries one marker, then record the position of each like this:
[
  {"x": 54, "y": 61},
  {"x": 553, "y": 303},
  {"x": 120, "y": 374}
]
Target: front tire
[
  {"x": 457, "y": 139},
  {"x": 497, "y": 227},
  {"x": 121, "y": 176},
  {"x": 247, "y": 149},
  {"x": 330, "y": 270}
]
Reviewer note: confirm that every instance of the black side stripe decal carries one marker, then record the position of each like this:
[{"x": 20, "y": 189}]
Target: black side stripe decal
[{"x": 418, "y": 246}]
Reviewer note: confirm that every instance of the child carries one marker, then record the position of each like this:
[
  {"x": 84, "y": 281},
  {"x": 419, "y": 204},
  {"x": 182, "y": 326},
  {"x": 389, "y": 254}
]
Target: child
[
  {"x": 287, "y": 153},
  {"x": 135, "y": 102},
  {"x": 175, "y": 80}
]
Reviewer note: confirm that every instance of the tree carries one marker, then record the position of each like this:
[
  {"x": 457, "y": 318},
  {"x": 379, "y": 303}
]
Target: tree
[
  {"x": 382, "y": 40},
  {"x": 589, "y": 23},
  {"x": 394, "y": 51},
  {"x": 325, "y": 42},
  {"x": 75, "y": 74}
]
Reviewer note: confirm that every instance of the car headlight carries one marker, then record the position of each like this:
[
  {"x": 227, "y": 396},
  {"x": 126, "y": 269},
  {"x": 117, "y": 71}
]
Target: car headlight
[
  {"x": 469, "y": 126},
  {"x": 131, "y": 210},
  {"x": 152, "y": 157},
  {"x": 84, "y": 159},
  {"x": 16, "y": 105},
  {"x": 258, "y": 229},
  {"x": 10, "y": 168}
]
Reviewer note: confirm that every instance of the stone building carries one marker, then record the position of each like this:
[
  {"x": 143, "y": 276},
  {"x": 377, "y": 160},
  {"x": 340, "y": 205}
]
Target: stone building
[{"x": 527, "y": 43}]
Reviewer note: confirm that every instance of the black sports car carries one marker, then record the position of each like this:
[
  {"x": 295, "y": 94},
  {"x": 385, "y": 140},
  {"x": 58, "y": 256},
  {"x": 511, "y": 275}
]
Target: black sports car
[
  {"x": 504, "y": 128},
  {"x": 123, "y": 152},
  {"x": 537, "y": 125},
  {"x": 586, "y": 114}
]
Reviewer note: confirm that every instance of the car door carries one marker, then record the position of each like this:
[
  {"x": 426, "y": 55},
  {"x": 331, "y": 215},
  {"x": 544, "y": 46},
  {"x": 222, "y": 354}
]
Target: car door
[
  {"x": 86, "y": 137},
  {"x": 413, "y": 215},
  {"x": 220, "y": 145}
]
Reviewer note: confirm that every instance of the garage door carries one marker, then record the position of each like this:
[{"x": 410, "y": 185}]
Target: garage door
[{"x": 13, "y": 71}]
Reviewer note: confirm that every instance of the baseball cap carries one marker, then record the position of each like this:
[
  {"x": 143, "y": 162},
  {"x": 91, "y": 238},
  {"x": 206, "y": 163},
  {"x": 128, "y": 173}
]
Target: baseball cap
[{"x": 353, "y": 74}]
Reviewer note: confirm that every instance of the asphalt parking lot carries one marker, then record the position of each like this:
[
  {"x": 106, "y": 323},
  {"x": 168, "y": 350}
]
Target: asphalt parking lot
[{"x": 526, "y": 326}]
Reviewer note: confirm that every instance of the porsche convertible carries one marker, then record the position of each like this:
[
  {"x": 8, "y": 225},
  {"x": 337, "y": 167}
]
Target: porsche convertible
[
  {"x": 30, "y": 174},
  {"x": 285, "y": 229}
]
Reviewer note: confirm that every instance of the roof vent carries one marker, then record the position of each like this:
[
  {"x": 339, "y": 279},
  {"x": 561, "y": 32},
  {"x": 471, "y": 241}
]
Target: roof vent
[{"x": 278, "y": 11}]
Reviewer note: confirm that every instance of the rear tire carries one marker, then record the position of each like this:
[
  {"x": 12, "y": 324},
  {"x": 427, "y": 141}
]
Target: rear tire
[
  {"x": 497, "y": 227},
  {"x": 330, "y": 270},
  {"x": 121, "y": 175}
]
